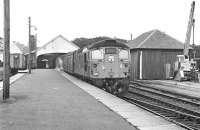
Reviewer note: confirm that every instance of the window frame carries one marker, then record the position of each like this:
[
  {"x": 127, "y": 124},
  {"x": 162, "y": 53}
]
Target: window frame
[
  {"x": 124, "y": 58},
  {"x": 102, "y": 54}
]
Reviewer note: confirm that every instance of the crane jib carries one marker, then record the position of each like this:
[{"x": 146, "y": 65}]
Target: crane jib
[{"x": 189, "y": 28}]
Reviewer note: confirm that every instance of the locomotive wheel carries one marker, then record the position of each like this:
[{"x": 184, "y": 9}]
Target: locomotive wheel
[
  {"x": 115, "y": 88},
  {"x": 122, "y": 88},
  {"x": 108, "y": 88}
]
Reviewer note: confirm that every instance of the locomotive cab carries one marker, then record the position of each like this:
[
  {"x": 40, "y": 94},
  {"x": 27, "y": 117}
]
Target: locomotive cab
[
  {"x": 110, "y": 68},
  {"x": 110, "y": 62}
]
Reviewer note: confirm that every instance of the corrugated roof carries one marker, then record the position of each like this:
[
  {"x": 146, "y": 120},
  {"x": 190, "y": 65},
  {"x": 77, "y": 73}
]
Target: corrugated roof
[{"x": 155, "y": 39}]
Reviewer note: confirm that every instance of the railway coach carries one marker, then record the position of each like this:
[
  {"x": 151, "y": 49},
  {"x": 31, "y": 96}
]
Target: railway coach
[{"x": 104, "y": 64}]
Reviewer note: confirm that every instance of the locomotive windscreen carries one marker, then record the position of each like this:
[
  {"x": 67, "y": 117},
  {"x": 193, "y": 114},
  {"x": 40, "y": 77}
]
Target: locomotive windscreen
[
  {"x": 97, "y": 54},
  {"x": 123, "y": 54},
  {"x": 110, "y": 51}
]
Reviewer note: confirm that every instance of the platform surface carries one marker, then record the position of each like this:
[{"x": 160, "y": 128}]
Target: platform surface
[
  {"x": 45, "y": 100},
  {"x": 12, "y": 80},
  {"x": 133, "y": 114}
]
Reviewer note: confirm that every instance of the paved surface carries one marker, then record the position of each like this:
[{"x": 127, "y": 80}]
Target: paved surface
[
  {"x": 45, "y": 100},
  {"x": 12, "y": 79}
]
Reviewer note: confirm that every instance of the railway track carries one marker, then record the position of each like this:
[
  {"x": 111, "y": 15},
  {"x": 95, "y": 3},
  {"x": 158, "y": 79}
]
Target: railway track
[{"x": 179, "y": 109}]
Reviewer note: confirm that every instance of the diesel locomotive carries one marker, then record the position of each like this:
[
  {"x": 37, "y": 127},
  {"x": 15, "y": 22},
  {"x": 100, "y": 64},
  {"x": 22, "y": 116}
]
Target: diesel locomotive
[{"x": 104, "y": 64}]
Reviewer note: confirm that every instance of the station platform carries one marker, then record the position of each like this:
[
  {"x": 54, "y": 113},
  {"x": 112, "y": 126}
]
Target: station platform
[
  {"x": 53, "y": 100},
  {"x": 45, "y": 100},
  {"x": 188, "y": 88}
]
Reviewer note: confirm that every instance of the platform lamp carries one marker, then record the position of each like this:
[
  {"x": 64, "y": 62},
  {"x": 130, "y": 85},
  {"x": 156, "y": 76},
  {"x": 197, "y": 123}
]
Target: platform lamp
[{"x": 30, "y": 49}]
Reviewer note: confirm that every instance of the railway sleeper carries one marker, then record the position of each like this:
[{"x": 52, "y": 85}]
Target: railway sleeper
[
  {"x": 170, "y": 114},
  {"x": 190, "y": 119},
  {"x": 159, "y": 93},
  {"x": 169, "y": 105},
  {"x": 148, "y": 85}
]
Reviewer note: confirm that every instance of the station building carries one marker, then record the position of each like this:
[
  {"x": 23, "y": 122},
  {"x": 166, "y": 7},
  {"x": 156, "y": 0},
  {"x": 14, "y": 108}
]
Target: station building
[
  {"x": 47, "y": 54},
  {"x": 153, "y": 55}
]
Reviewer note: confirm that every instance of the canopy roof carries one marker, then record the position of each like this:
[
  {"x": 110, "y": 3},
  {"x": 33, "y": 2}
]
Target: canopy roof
[{"x": 58, "y": 44}]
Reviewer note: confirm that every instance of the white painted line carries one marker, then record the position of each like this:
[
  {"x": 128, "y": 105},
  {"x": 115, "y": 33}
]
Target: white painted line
[
  {"x": 12, "y": 79},
  {"x": 138, "y": 117},
  {"x": 23, "y": 71}
]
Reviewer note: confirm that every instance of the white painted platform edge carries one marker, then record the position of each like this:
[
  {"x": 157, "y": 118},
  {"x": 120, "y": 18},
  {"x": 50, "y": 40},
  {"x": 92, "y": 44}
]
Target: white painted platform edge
[
  {"x": 12, "y": 79},
  {"x": 136, "y": 116}
]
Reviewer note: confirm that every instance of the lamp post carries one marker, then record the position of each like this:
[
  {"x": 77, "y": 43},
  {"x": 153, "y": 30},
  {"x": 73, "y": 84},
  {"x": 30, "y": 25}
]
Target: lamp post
[{"x": 30, "y": 41}]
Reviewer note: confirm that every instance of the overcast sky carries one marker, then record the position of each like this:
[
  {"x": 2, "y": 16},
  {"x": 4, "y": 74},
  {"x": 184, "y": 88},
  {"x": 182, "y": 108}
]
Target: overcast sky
[{"x": 92, "y": 18}]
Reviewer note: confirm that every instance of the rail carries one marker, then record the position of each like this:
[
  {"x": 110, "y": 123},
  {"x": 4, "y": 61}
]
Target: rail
[{"x": 179, "y": 109}]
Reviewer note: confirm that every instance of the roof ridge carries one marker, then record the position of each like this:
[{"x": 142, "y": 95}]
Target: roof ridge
[
  {"x": 55, "y": 39},
  {"x": 50, "y": 41},
  {"x": 173, "y": 38},
  {"x": 153, "y": 31},
  {"x": 69, "y": 41}
]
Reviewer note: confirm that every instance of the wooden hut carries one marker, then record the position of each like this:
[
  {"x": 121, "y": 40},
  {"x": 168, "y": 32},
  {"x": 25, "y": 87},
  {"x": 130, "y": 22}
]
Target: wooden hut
[
  {"x": 197, "y": 56},
  {"x": 153, "y": 55}
]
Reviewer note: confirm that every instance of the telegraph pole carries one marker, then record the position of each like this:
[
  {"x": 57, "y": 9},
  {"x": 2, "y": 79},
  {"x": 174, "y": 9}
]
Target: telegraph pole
[
  {"x": 131, "y": 36},
  {"x": 6, "y": 52},
  {"x": 29, "y": 41}
]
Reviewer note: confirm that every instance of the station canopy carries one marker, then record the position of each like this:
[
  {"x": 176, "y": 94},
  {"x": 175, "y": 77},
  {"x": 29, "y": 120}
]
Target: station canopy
[{"x": 58, "y": 44}]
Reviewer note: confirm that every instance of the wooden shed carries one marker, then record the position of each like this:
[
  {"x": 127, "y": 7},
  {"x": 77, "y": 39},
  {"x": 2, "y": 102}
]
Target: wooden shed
[
  {"x": 197, "y": 56},
  {"x": 153, "y": 55}
]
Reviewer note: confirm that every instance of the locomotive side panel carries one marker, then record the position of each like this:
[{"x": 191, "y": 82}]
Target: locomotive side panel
[
  {"x": 79, "y": 64},
  {"x": 86, "y": 65},
  {"x": 76, "y": 63},
  {"x": 70, "y": 63},
  {"x": 65, "y": 62}
]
